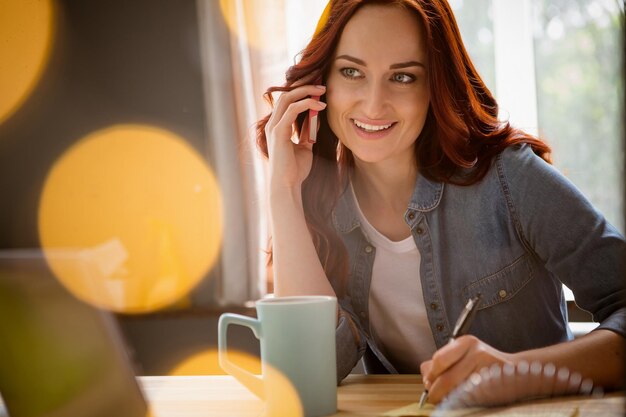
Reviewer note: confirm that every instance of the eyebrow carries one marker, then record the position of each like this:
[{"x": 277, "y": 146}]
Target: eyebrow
[{"x": 392, "y": 66}]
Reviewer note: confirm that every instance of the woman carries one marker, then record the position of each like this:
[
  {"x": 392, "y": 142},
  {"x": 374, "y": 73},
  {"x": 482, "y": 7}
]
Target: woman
[{"x": 415, "y": 198}]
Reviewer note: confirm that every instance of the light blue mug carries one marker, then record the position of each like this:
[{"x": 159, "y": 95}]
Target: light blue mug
[{"x": 297, "y": 336}]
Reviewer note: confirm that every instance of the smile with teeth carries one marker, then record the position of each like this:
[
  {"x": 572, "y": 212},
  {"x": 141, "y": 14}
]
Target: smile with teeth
[{"x": 371, "y": 128}]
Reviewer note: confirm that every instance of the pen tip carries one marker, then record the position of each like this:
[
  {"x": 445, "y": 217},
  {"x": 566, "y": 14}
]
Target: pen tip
[{"x": 423, "y": 398}]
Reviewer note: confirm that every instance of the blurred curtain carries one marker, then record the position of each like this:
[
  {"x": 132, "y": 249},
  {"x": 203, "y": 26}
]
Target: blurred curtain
[
  {"x": 246, "y": 46},
  {"x": 233, "y": 85}
]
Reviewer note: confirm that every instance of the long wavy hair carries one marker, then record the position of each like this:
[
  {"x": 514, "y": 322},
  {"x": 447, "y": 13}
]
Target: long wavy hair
[{"x": 462, "y": 133}]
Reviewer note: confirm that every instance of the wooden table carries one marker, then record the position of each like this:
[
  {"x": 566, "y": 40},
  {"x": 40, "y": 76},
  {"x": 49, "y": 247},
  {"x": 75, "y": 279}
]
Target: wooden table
[{"x": 359, "y": 395}]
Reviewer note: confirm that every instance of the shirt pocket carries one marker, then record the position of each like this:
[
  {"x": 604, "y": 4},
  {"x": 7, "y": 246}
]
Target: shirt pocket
[{"x": 502, "y": 285}]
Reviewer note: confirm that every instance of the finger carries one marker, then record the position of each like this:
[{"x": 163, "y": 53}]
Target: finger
[
  {"x": 452, "y": 377},
  {"x": 425, "y": 368},
  {"x": 294, "y": 109},
  {"x": 285, "y": 126},
  {"x": 449, "y": 355},
  {"x": 297, "y": 94}
]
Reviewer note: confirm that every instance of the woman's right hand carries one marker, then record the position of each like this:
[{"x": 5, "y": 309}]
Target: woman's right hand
[{"x": 291, "y": 156}]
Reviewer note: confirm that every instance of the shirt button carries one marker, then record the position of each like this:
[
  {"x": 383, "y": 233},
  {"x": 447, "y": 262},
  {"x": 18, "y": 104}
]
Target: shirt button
[
  {"x": 434, "y": 306},
  {"x": 411, "y": 216},
  {"x": 368, "y": 249},
  {"x": 419, "y": 230},
  {"x": 502, "y": 293},
  {"x": 440, "y": 327}
]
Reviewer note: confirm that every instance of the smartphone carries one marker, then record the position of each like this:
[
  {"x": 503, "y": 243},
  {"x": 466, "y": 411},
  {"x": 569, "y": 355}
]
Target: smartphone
[{"x": 313, "y": 122}]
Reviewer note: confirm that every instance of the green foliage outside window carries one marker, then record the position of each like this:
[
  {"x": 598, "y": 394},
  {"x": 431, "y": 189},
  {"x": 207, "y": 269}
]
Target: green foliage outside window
[{"x": 578, "y": 58}]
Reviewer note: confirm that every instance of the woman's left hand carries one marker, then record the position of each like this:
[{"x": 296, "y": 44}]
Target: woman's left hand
[{"x": 455, "y": 362}]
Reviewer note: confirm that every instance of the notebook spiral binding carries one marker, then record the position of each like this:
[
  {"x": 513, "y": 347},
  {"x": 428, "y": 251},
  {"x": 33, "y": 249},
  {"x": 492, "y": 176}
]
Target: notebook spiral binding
[{"x": 500, "y": 385}]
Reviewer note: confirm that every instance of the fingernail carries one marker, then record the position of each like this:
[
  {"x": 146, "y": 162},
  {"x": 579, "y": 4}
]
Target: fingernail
[
  {"x": 321, "y": 104},
  {"x": 323, "y": 87}
]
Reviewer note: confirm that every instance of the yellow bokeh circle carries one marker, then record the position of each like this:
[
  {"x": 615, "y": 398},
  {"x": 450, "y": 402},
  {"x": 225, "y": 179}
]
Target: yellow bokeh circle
[
  {"x": 130, "y": 218},
  {"x": 286, "y": 401},
  {"x": 207, "y": 363},
  {"x": 250, "y": 21},
  {"x": 26, "y": 31}
]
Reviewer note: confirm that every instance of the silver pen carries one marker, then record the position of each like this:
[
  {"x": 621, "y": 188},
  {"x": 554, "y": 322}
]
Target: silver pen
[{"x": 461, "y": 327}]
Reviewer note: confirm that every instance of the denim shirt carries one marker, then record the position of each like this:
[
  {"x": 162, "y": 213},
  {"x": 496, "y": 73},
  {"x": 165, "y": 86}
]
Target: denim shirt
[{"x": 514, "y": 237}]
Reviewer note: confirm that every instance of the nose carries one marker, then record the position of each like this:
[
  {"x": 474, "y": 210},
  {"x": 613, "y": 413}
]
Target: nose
[{"x": 374, "y": 99}]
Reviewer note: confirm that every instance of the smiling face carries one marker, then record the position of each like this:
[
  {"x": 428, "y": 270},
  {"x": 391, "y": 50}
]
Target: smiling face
[{"x": 377, "y": 88}]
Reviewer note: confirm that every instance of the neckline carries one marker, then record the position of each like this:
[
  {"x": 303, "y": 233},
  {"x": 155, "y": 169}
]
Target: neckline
[{"x": 375, "y": 236}]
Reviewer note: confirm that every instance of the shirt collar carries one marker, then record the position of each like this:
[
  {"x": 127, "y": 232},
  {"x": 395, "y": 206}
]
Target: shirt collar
[{"x": 426, "y": 196}]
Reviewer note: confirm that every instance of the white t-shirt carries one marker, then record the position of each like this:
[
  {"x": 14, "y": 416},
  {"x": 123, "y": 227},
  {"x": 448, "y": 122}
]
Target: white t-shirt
[{"x": 397, "y": 313}]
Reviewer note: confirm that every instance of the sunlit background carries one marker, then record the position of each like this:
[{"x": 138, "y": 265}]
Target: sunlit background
[{"x": 127, "y": 155}]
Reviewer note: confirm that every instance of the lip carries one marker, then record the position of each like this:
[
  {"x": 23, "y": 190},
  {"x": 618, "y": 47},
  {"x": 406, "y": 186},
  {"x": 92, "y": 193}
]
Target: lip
[{"x": 373, "y": 135}]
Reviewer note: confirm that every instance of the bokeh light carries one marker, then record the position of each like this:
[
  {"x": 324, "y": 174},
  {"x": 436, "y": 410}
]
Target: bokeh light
[
  {"x": 130, "y": 218},
  {"x": 286, "y": 401},
  {"x": 249, "y": 21},
  {"x": 207, "y": 363},
  {"x": 26, "y": 31}
]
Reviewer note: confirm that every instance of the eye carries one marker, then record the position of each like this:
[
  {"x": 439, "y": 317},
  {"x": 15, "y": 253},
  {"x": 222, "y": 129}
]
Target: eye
[
  {"x": 351, "y": 73},
  {"x": 403, "y": 78}
]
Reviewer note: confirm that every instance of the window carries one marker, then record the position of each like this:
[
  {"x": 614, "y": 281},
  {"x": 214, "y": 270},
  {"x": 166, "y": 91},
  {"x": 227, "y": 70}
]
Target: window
[
  {"x": 577, "y": 48},
  {"x": 557, "y": 74},
  {"x": 475, "y": 20},
  {"x": 554, "y": 67}
]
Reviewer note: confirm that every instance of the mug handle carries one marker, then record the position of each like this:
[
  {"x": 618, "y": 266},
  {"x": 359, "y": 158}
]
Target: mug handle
[{"x": 253, "y": 382}]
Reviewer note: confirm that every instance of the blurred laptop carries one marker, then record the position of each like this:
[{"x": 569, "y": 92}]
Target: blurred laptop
[{"x": 59, "y": 357}]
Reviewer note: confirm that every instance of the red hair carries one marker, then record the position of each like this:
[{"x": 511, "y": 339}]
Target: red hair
[{"x": 461, "y": 129}]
